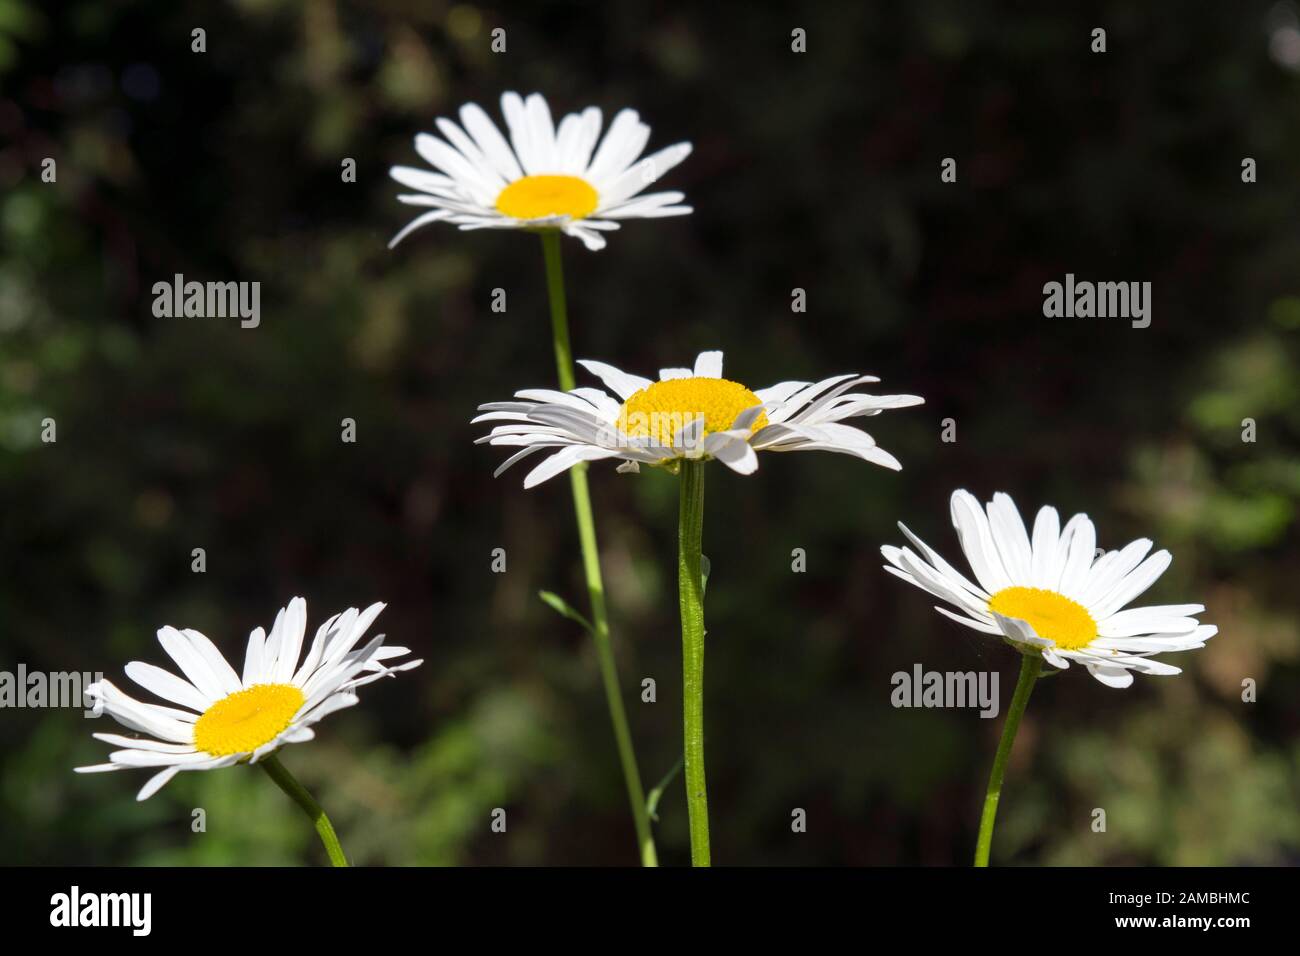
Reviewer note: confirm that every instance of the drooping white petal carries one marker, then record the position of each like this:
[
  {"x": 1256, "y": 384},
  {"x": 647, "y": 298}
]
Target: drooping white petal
[
  {"x": 421, "y": 220},
  {"x": 732, "y": 449},
  {"x": 156, "y": 783},
  {"x": 970, "y": 622},
  {"x": 619, "y": 382}
]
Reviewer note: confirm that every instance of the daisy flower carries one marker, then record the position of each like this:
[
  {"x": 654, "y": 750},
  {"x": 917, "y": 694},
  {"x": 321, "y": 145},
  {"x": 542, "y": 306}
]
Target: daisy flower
[
  {"x": 547, "y": 176},
  {"x": 216, "y": 717},
  {"x": 680, "y": 422},
  {"x": 552, "y": 179},
  {"x": 1050, "y": 594},
  {"x": 688, "y": 414}
]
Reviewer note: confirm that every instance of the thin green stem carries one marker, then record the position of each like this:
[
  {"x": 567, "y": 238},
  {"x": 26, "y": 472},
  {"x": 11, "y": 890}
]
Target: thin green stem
[
  {"x": 1030, "y": 666},
  {"x": 298, "y": 793},
  {"x": 690, "y": 591},
  {"x": 591, "y": 561}
]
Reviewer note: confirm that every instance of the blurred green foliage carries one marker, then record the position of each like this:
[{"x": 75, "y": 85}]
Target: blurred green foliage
[{"x": 817, "y": 171}]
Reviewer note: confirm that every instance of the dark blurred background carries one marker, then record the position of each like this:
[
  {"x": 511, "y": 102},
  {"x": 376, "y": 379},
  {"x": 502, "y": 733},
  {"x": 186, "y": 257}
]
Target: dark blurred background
[{"x": 817, "y": 170}]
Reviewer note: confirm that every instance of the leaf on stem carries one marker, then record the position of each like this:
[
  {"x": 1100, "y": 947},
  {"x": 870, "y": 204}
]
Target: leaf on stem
[
  {"x": 652, "y": 798},
  {"x": 564, "y": 609}
]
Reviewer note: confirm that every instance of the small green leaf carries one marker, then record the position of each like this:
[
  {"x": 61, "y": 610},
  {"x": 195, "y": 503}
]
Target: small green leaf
[
  {"x": 652, "y": 798},
  {"x": 705, "y": 566},
  {"x": 564, "y": 609}
]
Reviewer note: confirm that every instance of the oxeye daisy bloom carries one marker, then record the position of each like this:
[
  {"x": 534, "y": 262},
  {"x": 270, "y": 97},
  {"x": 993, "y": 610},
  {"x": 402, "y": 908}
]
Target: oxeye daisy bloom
[
  {"x": 552, "y": 179},
  {"x": 1050, "y": 594},
  {"x": 216, "y": 717},
  {"x": 548, "y": 176},
  {"x": 688, "y": 414},
  {"x": 1052, "y": 598}
]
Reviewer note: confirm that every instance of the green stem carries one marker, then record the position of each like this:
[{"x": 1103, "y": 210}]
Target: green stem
[
  {"x": 591, "y": 561},
  {"x": 298, "y": 793},
  {"x": 1030, "y": 666},
  {"x": 690, "y": 590}
]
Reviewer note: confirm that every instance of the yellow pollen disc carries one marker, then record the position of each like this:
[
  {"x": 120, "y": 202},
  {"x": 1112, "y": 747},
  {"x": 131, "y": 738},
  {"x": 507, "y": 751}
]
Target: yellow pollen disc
[
  {"x": 537, "y": 197},
  {"x": 1053, "y": 616},
  {"x": 658, "y": 411},
  {"x": 247, "y": 719}
]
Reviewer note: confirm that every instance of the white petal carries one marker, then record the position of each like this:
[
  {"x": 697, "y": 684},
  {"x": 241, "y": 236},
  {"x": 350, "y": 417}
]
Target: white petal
[
  {"x": 421, "y": 220},
  {"x": 156, "y": 783},
  {"x": 541, "y": 134},
  {"x": 1109, "y": 674},
  {"x": 512, "y": 108},
  {"x": 194, "y": 665},
  {"x": 328, "y": 706},
  {"x": 780, "y": 392},
  {"x": 253, "y": 666},
  {"x": 168, "y": 686},
  {"x": 426, "y": 181},
  {"x": 969, "y": 622},
  {"x": 623, "y": 143},
  {"x": 564, "y": 460},
  {"x": 583, "y": 233},
  {"x": 152, "y": 719},
  {"x": 1047, "y": 533},
  {"x": 1055, "y": 658},
  {"x": 1133, "y": 584},
  {"x": 139, "y": 743},
  {"x": 1010, "y": 537},
  {"x": 317, "y": 650},
  {"x": 491, "y": 142},
  {"x": 1020, "y": 631},
  {"x": 977, "y": 542},
  {"x": 1079, "y": 556},
  {"x": 709, "y": 365},
  {"x": 217, "y": 663},
  {"x": 621, "y": 383},
  {"x": 942, "y": 566},
  {"x": 295, "y": 626},
  {"x": 732, "y": 451},
  {"x": 1102, "y": 580},
  {"x": 643, "y": 173},
  {"x": 650, "y": 206},
  {"x": 149, "y": 758}
]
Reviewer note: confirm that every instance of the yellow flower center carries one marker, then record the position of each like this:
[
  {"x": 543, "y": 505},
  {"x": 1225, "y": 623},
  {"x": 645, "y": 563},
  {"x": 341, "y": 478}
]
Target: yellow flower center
[
  {"x": 1053, "y": 616},
  {"x": 660, "y": 410},
  {"x": 247, "y": 719},
  {"x": 539, "y": 197}
]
